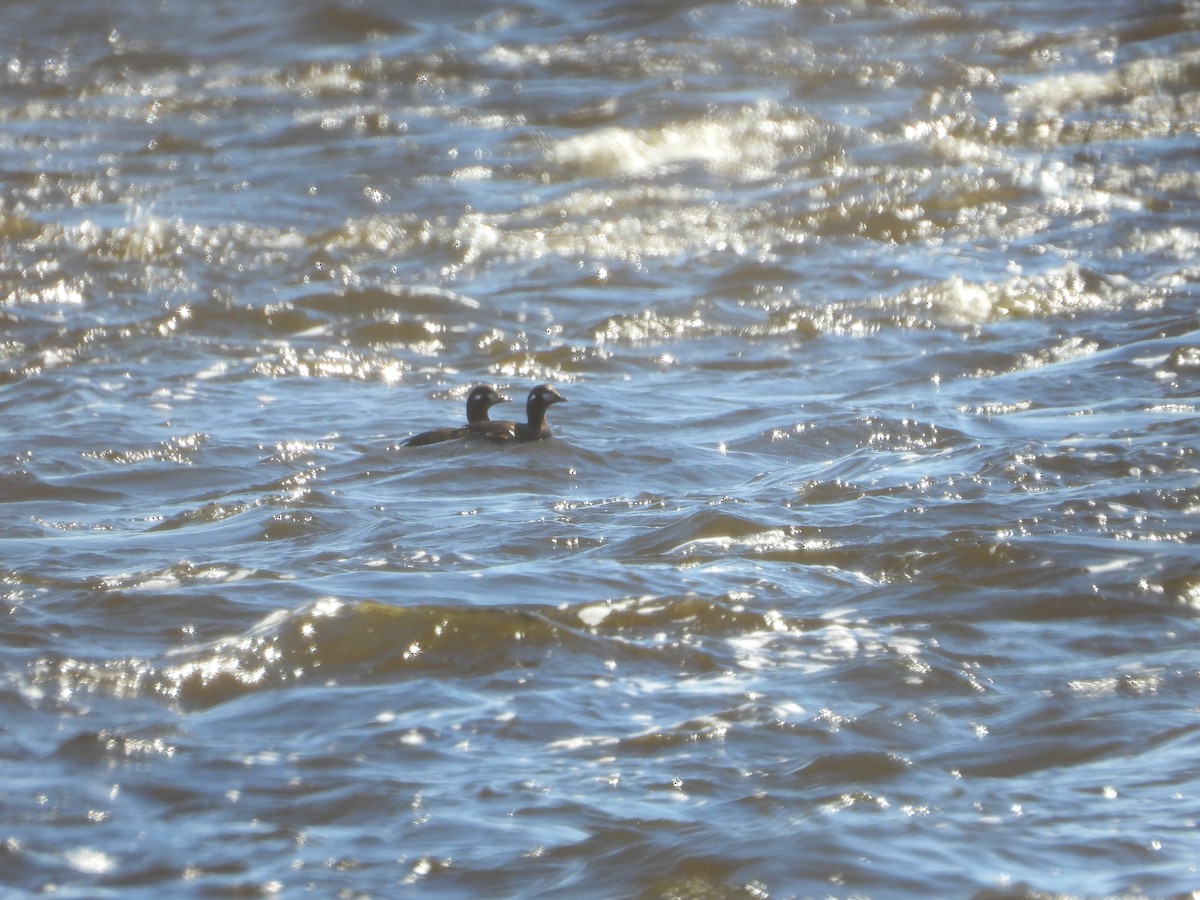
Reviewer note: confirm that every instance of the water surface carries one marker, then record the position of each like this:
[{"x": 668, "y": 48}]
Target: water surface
[{"x": 863, "y": 562}]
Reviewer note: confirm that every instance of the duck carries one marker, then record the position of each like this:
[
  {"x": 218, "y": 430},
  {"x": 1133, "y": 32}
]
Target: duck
[
  {"x": 540, "y": 399},
  {"x": 482, "y": 398}
]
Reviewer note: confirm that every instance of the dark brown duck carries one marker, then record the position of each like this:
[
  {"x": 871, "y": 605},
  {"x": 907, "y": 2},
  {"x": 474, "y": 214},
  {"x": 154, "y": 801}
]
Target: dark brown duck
[
  {"x": 540, "y": 399},
  {"x": 482, "y": 398}
]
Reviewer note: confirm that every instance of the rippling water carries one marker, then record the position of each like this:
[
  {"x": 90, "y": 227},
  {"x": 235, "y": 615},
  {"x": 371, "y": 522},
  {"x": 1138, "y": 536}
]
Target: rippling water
[{"x": 863, "y": 564}]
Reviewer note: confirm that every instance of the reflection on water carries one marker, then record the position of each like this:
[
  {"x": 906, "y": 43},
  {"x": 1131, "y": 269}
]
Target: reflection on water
[{"x": 863, "y": 558}]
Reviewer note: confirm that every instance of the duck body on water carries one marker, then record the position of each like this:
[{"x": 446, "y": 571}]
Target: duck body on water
[
  {"x": 481, "y": 399},
  {"x": 535, "y": 428}
]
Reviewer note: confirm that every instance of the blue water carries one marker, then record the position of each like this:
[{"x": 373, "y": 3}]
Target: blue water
[{"x": 862, "y": 562}]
